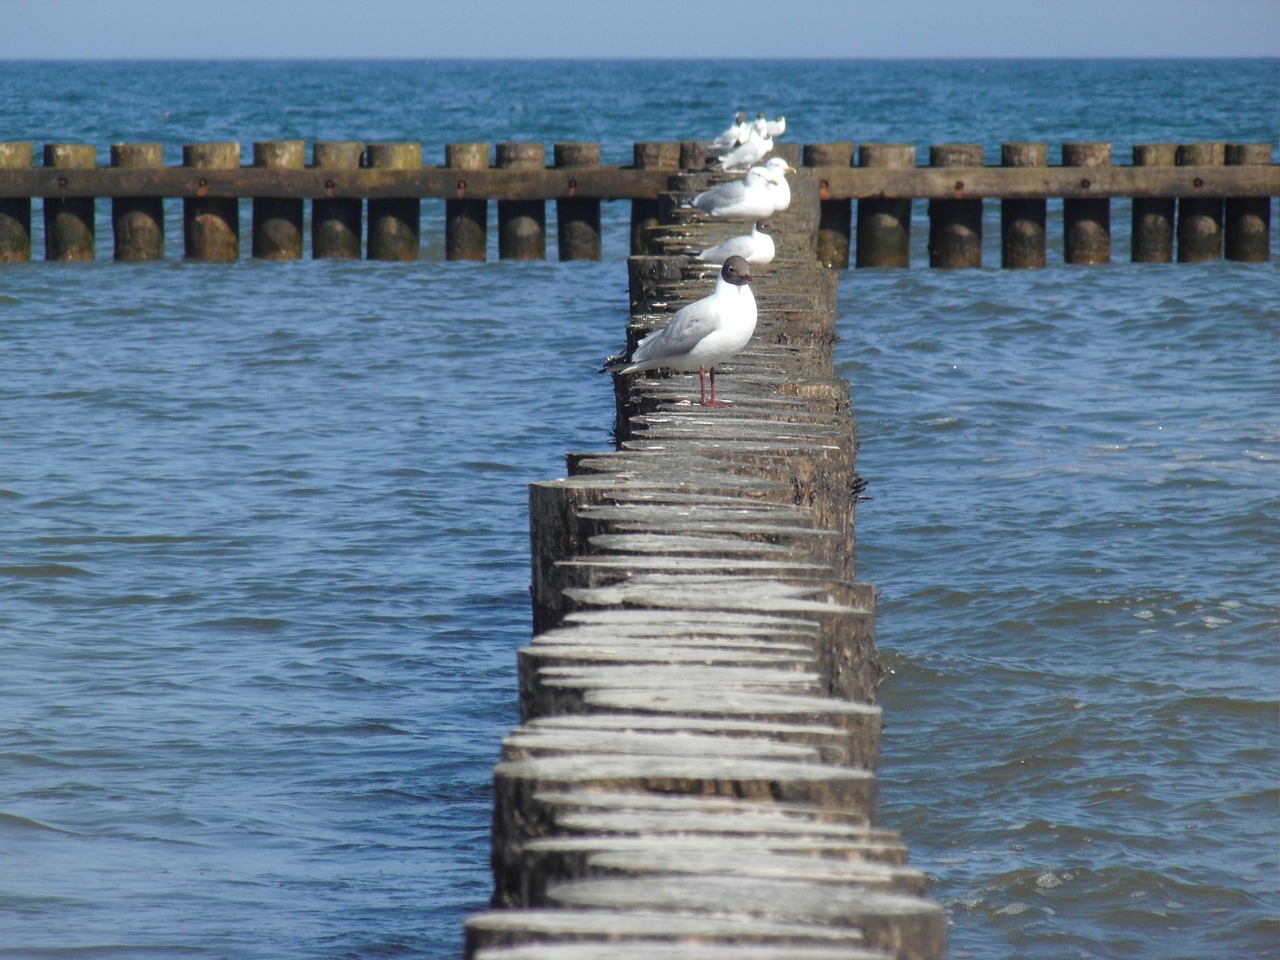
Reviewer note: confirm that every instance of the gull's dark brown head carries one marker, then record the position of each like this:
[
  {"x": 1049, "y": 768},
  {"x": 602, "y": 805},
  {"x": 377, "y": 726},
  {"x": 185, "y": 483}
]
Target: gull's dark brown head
[{"x": 736, "y": 271}]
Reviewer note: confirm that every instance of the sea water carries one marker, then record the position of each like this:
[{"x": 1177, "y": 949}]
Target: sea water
[{"x": 264, "y": 549}]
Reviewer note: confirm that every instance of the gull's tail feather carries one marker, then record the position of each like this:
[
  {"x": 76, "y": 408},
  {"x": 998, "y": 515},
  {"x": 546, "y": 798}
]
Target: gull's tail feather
[{"x": 614, "y": 363}]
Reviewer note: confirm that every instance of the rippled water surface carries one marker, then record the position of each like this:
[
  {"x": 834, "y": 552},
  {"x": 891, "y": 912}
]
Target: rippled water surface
[
  {"x": 1074, "y": 530},
  {"x": 264, "y": 559}
]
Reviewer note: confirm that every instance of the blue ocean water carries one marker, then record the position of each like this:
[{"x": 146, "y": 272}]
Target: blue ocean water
[{"x": 264, "y": 558}]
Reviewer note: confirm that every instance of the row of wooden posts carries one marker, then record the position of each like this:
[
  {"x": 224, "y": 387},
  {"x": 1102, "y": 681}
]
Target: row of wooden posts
[
  {"x": 1190, "y": 202},
  {"x": 694, "y": 773},
  {"x": 1206, "y": 224}
]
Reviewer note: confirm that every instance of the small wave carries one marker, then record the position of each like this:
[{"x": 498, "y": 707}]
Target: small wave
[
  {"x": 1262, "y": 456},
  {"x": 143, "y": 539},
  {"x": 129, "y": 600},
  {"x": 113, "y": 951},
  {"x": 16, "y": 822},
  {"x": 262, "y": 624},
  {"x": 36, "y": 570},
  {"x": 1216, "y": 709}
]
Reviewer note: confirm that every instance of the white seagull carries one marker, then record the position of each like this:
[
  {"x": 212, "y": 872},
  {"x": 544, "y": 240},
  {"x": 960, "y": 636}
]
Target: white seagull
[
  {"x": 754, "y": 247},
  {"x": 733, "y": 136},
  {"x": 752, "y": 196},
  {"x": 749, "y": 151},
  {"x": 702, "y": 334},
  {"x": 777, "y": 127},
  {"x": 777, "y": 169}
]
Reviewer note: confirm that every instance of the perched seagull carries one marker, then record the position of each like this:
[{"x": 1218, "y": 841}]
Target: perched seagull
[
  {"x": 754, "y": 247},
  {"x": 702, "y": 334},
  {"x": 748, "y": 152},
  {"x": 733, "y": 136},
  {"x": 777, "y": 170},
  {"x": 778, "y": 127},
  {"x": 752, "y": 196}
]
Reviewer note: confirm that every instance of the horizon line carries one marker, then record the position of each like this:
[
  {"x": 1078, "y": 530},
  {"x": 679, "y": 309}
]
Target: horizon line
[{"x": 488, "y": 58}]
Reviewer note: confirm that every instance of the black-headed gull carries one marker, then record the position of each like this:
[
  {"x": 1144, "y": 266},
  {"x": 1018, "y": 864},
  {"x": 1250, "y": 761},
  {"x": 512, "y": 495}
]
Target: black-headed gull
[
  {"x": 752, "y": 196},
  {"x": 702, "y": 334},
  {"x": 778, "y": 127},
  {"x": 733, "y": 136},
  {"x": 745, "y": 155},
  {"x": 754, "y": 247}
]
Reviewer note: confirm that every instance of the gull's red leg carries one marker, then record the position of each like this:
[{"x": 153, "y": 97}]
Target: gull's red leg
[{"x": 714, "y": 402}]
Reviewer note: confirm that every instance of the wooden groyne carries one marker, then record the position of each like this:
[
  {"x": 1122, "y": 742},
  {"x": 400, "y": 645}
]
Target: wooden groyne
[
  {"x": 694, "y": 776},
  {"x": 1190, "y": 202}
]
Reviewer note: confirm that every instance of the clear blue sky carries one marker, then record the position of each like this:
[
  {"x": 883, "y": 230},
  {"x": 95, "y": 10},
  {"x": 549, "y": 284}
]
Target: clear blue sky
[{"x": 114, "y": 29}]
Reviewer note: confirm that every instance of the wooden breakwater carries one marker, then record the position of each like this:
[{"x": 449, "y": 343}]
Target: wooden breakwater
[
  {"x": 694, "y": 776},
  {"x": 1190, "y": 202}
]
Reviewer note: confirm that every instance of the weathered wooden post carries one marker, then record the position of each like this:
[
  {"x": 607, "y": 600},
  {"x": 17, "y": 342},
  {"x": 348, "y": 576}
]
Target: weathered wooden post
[
  {"x": 69, "y": 221},
  {"x": 1200, "y": 218},
  {"x": 211, "y": 225},
  {"x": 835, "y": 217},
  {"x": 693, "y": 155},
  {"x": 336, "y": 222},
  {"x": 1022, "y": 222},
  {"x": 1247, "y": 220},
  {"x": 138, "y": 222},
  {"x": 577, "y": 218},
  {"x": 955, "y": 226},
  {"x": 466, "y": 219},
  {"x": 652, "y": 155},
  {"x": 15, "y": 212},
  {"x": 1153, "y": 217},
  {"x": 522, "y": 224},
  {"x": 394, "y": 222},
  {"x": 1086, "y": 222},
  {"x": 790, "y": 152},
  {"x": 277, "y": 221},
  {"x": 884, "y": 224}
]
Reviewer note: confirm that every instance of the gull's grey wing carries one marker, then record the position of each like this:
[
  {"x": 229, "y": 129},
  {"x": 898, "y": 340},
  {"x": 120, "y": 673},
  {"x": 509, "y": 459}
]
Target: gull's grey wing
[
  {"x": 721, "y": 196},
  {"x": 686, "y": 329},
  {"x": 734, "y": 246}
]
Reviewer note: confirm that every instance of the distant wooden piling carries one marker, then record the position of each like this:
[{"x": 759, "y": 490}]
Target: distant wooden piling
[
  {"x": 211, "y": 225},
  {"x": 69, "y": 222},
  {"x": 1177, "y": 195},
  {"x": 1086, "y": 223},
  {"x": 137, "y": 223},
  {"x": 790, "y": 152},
  {"x": 649, "y": 155},
  {"x": 835, "y": 216},
  {"x": 1247, "y": 220},
  {"x": 884, "y": 224},
  {"x": 577, "y": 218},
  {"x": 1022, "y": 221},
  {"x": 1200, "y": 218},
  {"x": 15, "y": 212},
  {"x": 693, "y": 155},
  {"x": 337, "y": 223},
  {"x": 522, "y": 224},
  {"x": 395, "y": 223},
  {"x": 955, "y": 226},
  {"x": 466, "y": 219},
  {"x": 1153, "y": 217},
  {"x": 277, "y": 221}
]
